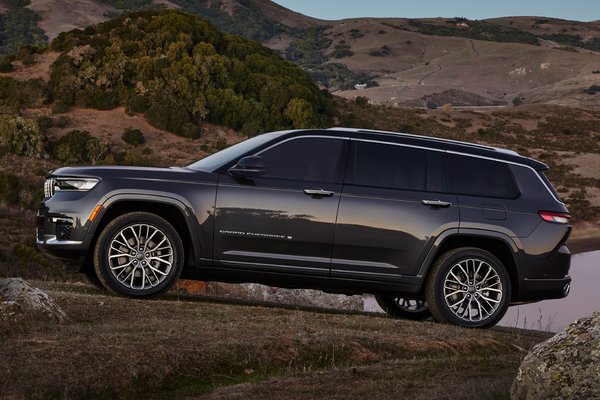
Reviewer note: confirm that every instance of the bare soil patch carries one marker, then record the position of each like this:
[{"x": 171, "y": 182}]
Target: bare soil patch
[
  {"x": 40, "y": 69},
  {"x": 61, "y": 15}
]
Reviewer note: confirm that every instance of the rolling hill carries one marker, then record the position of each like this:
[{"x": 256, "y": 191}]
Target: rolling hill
[{"x": 401, "y": 61}]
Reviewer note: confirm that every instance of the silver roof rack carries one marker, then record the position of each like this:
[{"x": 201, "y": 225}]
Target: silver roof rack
[{"x": 482, "y": 146}]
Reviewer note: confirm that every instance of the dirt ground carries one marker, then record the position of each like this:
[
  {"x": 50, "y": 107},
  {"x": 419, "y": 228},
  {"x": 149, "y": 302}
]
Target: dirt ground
[{"x": 199, "y": 347}]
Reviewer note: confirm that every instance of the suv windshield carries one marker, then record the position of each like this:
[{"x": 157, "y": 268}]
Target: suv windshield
[{"x": 223, "y": 157}]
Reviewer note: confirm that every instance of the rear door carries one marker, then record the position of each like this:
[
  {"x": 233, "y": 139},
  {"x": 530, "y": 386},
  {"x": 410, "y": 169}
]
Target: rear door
[
  {"x": 283, "y": 221},
  {"x": 393, "y": 207},
  {"x": 489, "y": 197}
]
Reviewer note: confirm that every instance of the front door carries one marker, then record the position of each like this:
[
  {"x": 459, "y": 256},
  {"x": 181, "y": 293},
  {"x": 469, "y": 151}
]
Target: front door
[{"x": 284, "y": 220}]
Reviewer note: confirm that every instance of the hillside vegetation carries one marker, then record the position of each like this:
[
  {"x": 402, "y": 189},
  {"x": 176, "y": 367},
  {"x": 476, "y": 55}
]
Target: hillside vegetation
[
  {"x": 179, "y": 71},
  {"x": 402, "y": 61},
  {"x": 18, "y": 27}
]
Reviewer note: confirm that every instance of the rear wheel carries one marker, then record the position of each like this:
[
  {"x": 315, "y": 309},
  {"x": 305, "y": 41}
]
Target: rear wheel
[
  {"x": 468, "y": 287},
  {"x": 138, "y": 255},
  {"x": 402, "y": 307}
]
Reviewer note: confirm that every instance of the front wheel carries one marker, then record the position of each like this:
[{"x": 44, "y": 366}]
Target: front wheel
[
  {"x": 138, "y": 255},
  {"x": 468, "y": 287},
  {"x": 402, "y": 307}
]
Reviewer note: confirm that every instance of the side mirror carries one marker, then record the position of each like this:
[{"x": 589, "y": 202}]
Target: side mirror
[{"x": 249, "y": 167}]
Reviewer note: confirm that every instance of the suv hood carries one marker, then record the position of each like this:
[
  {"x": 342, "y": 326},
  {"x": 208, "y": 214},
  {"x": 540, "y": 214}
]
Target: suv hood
[{"x": 116, "y": 172}]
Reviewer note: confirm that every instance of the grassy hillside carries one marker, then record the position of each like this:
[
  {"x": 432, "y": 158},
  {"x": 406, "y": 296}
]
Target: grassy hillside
[{"x": 194, "y": 347}]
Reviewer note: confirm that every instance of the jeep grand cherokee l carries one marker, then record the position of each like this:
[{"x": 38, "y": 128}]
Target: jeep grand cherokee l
[{"x": 458, "y": 230}]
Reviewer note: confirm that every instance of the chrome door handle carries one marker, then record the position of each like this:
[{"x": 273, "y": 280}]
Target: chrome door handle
[
  {"x": 318, "y": 192},
  {"x": 436, "y": 203}
]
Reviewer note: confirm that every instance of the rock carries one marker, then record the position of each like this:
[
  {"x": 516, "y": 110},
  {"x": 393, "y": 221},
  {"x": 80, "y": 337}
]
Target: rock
[
  {"x": 298, "y": 297},
  {"x": 567, "y": 366},
  {"x": 19, "y": 300},
  {"x": 191, "y": 287}
]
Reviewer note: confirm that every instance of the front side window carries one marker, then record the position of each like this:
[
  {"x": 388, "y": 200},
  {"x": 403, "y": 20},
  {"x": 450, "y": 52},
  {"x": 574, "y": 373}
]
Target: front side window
[
  {"x": 479, "y": 177},
  {"x": 388, "y": 166},
  {"x": 306, "y": 159}
]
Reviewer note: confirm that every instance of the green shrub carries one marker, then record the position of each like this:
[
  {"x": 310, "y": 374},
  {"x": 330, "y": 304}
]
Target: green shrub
[
  {"x": 79, "y": 147},
  {"x": 21, "y": 136},
  {"x": 517, "y": 101},
  {"x": 16, "y": 94},
  {"x": 6, "y": 66},
  {"x": 63, "y": 121},
  {"x": 134, "y": 137},
  {"x": 18, "y": 28},
  {"x": 10, "y": 188},
  {"x": 361, "y": 100},
  {"x": 59, "y": 107},
  {"x": 592, "y": 90},
  {"x": 44, "y": 122},
  {"x": 15, "y": 3}
]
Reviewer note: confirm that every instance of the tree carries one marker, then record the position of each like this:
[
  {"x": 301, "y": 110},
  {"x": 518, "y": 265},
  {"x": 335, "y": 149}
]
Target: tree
[
  {"x": 79, "y": 147},
  {"x": 301, "y": 114}
]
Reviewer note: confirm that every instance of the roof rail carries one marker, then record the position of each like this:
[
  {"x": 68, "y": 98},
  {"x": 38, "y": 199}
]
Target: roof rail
[{"x": 481, "y": 146}]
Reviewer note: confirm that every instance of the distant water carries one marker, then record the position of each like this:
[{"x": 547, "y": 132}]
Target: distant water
[{"x": 552, "y": 315}]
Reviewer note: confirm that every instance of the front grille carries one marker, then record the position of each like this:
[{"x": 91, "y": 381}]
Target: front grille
[
  {"x": 63, "y": 231},
  {"x": 49, "y": 187}
]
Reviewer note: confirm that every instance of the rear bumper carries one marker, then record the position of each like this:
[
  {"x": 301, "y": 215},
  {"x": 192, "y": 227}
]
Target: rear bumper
[
  {"x": 554, "y": 283},
  {"x": 531, "y": 290}
]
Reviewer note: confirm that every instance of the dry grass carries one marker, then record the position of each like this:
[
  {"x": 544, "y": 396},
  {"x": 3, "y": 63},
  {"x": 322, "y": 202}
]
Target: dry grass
[{"x": 193, "y": 346}]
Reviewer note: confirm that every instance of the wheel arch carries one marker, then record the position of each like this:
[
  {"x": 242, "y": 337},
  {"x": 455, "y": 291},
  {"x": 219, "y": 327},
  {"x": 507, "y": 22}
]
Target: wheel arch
[
  {"x": 500, "y": 245},
  {"x": 172, "y": 210}
]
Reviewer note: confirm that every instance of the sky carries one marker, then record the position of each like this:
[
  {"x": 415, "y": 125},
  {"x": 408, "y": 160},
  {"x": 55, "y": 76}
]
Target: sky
[{"x": 580, "y": 10}]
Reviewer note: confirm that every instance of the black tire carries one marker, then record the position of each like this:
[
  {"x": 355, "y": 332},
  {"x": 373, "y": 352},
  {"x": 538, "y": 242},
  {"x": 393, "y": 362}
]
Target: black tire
[
  {"x": 456, "y": 296},
  {"x": 402, "y": 307},
  {"x": 127, "y": 264}
]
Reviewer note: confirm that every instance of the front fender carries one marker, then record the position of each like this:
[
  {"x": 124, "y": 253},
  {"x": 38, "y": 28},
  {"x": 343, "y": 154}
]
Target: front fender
[{"x": 148, "y": 197}]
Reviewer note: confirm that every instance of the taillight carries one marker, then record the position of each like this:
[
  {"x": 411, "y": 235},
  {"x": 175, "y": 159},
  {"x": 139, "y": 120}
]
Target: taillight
[{"x": 559, "y": 218}]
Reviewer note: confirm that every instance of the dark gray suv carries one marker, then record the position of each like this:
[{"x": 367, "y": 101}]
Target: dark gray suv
[{"x": 431, "y": 227}]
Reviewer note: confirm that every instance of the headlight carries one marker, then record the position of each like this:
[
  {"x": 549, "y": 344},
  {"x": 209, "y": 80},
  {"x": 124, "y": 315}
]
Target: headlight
[{"x": 53, "y": 185}]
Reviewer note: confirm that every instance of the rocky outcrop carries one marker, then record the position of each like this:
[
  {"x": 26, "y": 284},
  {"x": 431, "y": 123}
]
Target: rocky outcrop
[
  {"x": 19, "y": 301},
  {"x": 298, "y": 297},
  {"x": 567, "y": 366}
]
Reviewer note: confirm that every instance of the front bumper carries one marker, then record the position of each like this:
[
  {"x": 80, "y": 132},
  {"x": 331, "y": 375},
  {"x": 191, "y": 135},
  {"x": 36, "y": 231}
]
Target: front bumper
[{"x": 61, "y": 236}]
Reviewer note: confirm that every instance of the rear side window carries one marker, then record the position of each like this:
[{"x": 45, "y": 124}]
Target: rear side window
[
  {"x": 549, "y": 184},
  {"x": 479, "y": 177},
  {"x": 388, "y": 166}
]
